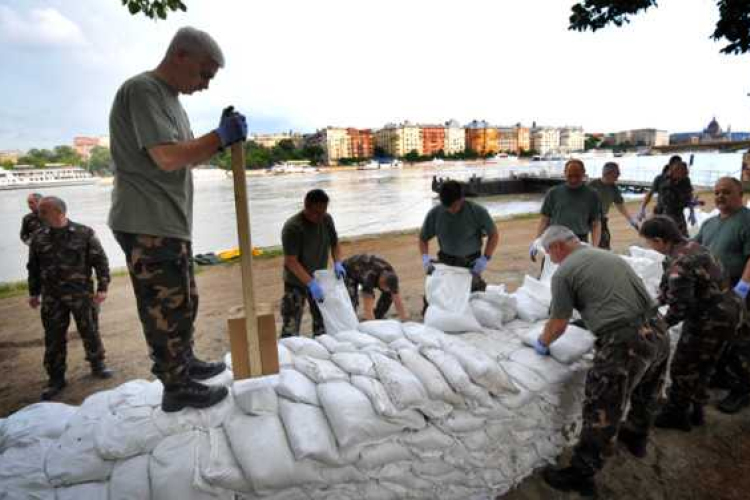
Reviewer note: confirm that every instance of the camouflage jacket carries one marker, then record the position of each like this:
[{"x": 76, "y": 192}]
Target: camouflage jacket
[
  {"x": 693, "y": 283},
  {"x": 366, "y": 270},
  {"x": 60, "y": 261},
  {"x": 673, "y": 196},
  {"x": 30, "y": 225}
]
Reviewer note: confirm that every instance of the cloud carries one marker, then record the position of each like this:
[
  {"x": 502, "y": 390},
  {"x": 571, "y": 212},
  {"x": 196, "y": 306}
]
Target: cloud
[{"x": 40, "y": 28}]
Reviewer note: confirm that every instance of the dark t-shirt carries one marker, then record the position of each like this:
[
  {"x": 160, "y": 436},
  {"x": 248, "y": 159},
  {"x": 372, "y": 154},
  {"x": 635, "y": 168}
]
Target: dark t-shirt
[
  {"x": 608, "y": 194},
  {"x": 729, "y": 241},
  {"x": 575, "y": 208},
  {"x": 311, "y": 243},
  {"x": 366, "y": 270},
  {"x": 459, "y": 234}
]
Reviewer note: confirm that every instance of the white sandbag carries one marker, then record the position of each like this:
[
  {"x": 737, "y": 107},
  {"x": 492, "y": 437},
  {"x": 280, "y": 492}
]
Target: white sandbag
[
  {"x": 402, "y": 343},
  {"x": 547, "y": 367},
  {"x": 303, "y": 346},
  {"x": 217, "y": 465},
  {"x": 297, "y": 387},
  {"x": 494, "y": 306},
  {"x": 379, "y": 454},
  {"x": 337, "y": 310},
  {"x": 34, "y": 422},
  {"x": 257, "y": 396},
  {"x": 386, "y": 330},
  {"x": 172, "y": 468},
  {"x": 127, "y": 432},
  {"x": 355, "y": 363},
  {"x": 89, "y": 491},
  {"x": 461, "y": 421},
  {"x": 447, "y": 292},
  {"x": 384, "y": 407},
  {"x": 488, "y": 315},
  {"x": 533, "y": 300},
  {"x": 457, "y": 377},
  {"x": 427, "y": 441},
  {"x": 133, "y": 393},
  {"x": 130, "y": 479},
  {"x": 286, "y": 357},
  {"x": 357, "y": 338},
  {"x": 73, "y": 458},
  {"x": 319, "y": 370},
  {"x": 482, "y": 369},
  {"x": 525, "y": 376},
  {"x": 405, "y": 389},
  {"x": 261, "y": 448},
  {"x": 187, "y": 419},
  {"x": 430, "y": 377},
  {"x": 567, "y": 349},
  {"x": 423, "y": 335},
  {"x": 351, "y": 415},
  {"x": 343, "y": 477},
  {"x": 308, "y": 432},
  {"x": 645, "y": 253},
  {"x": 22, "y": 473}
]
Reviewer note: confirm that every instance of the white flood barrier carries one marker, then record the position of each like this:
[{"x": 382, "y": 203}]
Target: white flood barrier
[{"x": 382, "y": 410}]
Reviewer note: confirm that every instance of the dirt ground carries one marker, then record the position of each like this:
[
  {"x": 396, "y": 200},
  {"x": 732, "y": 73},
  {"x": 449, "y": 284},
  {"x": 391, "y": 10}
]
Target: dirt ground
[{"x": 708, "y": 463}]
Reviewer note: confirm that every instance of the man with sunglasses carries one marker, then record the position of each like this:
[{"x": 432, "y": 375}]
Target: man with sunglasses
[{"x": 153, "y": 151}]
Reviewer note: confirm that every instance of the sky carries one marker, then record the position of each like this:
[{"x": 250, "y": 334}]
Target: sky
[{"x": 306, "y": 64}]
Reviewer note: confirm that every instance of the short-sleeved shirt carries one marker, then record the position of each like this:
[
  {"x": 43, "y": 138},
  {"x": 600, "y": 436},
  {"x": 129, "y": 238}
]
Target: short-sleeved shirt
[
  {"x": 575, "y": 208},
  {"x": 30, "y": 224},
  {"x": 601, "y": 286},
  {"x": 146, "y": 199},
  {"x": 311, "y": 243},
  {"x": 673, "y": 196},
  {"x": 458, "y": 234},
  {"x": 366, "y": 270},
  {"x": 729, "y": 241},
  {"x": 608, "y": 194}
]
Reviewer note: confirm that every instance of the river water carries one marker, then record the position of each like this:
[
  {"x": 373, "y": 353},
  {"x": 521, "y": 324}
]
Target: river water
[{"x": 362, "y": 202}]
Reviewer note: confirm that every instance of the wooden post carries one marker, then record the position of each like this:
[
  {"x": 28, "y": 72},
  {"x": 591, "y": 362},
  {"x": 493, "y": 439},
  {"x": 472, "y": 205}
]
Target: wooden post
[{"x": 253, "y": 356}]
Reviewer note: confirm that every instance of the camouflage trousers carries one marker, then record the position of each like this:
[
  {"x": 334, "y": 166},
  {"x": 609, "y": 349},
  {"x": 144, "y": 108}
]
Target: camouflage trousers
[
  {"x": 629, "y": 368},
  {"x": 735, "y": 361},
  {"x": 605, "y": 240},
  {"x": 702, "y": 342},
  {"x": 56, "y": 312},
  {"x": 382, "y": 306},
  {"x": 161, "y": 270},
  {"x": 292, "y": 307}
]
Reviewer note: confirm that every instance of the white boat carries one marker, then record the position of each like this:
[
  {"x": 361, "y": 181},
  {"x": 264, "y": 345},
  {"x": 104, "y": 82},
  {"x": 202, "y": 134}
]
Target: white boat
[
  {"x": 32, "y": 178},
  {"x": 437, "y": 161},
  {"x": 292, "y": 168},
  {"x": 391, "y": 164},
  {"x": 372, "y": 165}
]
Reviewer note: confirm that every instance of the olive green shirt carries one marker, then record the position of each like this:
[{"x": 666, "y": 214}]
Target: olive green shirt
[
  {"x": 577, "y": 209},
  {"x": 729, "y": 241},
  {"x": 145, "y": 199},
  {"x": 601, "y": 286},
  {"x": 608, "y": 194},
  {"x": 459, "y": 234},
  {"x": 311, "y": 243}
]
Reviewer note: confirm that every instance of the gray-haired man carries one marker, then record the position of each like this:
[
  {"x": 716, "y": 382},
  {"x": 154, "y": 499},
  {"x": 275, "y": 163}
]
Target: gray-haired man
[
  {"x": 609, "y": 194},
  {"x": 153, "y": 150},
  {"x": 31, "y": 221}
]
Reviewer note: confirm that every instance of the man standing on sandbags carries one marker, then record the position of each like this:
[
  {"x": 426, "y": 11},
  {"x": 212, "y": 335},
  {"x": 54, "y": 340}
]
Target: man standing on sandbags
[
  {"x": 573, "y": 205},
  {"x": 459, "y": 225},
  {"x": 153, "y": 151},
  {"x": 609, "y": 194},
  {"x": 728, "y": 237},
  {"x": 62, "y": 254},
  {"x": 631, "y": 352},
  {"x": 308, "y": 237},
  {"x": 369, "y": 272}
]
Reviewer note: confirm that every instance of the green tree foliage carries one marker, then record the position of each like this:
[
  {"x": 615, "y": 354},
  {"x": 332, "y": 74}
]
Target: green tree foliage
[
  {"x": 154, "y": 8},
  {"x": 258, "y": 156},
  {"x": 42, "y": 157},
  {"x": 733, "y": 24},
  {"x": 100, "y": 161}
]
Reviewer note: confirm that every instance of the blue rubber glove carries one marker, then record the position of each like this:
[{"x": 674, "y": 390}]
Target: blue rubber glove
[
  {"x": 232, "y": 127},
  {"x": 480, "y": 265},
  {"x": 533, "y": 250},
  {"x": 633, "y": 223},
  {"x": 338, "y": 267},
  {"x": 540, "y": 348},
  {"x": 316, "y": 291},
  {"x": 742, "y": 288},
  {"x": 692, "y": 218},
  {"x": 642, "y": 214},
  {"x": 427, "y": 264}
]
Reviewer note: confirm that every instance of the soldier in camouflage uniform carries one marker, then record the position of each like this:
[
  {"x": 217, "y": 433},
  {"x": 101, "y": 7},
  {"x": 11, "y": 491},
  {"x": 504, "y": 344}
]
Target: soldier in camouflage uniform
[
  {"x": 631, "y": 352},
  {"x": 370, "y": 272},
  {"x": 61, "y": 256},
  {"x": 31, "y": 221},
  {"x": 675, "y": 193},
  {"x": 697, "y": 292}
]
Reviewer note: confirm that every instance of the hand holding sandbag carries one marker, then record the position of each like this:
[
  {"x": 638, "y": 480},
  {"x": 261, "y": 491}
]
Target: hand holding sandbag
[
  {"x": 338, "y": 268},
  {"x": 427, "y": 264},
  {"x": 480, "y": 265},
  {"x": 316, "y": 291},
  {"x": 540, "y": 348}
]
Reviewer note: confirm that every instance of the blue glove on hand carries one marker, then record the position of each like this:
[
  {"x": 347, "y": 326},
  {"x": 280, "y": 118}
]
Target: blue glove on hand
[
  {"x": 427, "y": 264},
  {"x": 642, "y": 214},
  {"x": 742, "y": 288},
  {"x": 633, "y": 223},
  {"x": 692, "y": 218},
  {"x": 480, "y": 265},
  {"x": 338, "y": 268},
  {"x": 232, "y": 127},
  {"x": 316, "y": 291},
  {"x": 533, "y": 250},
  {"x": 540, "y": 348}
]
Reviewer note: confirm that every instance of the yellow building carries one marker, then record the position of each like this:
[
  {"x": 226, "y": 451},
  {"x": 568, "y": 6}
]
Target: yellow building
[
  {"x": 482, "y": 138},
  {"x": 399, "y": 139},
  {"x": 455, "y": 138},
  {"x": 334, "y": 141},
  {"x": 507, "y": 138},
  {"x": 545, "y": 140}
]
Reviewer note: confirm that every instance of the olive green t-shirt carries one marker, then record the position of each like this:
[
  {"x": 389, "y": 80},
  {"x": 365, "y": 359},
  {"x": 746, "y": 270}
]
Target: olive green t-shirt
[
  {"x": 608, "y": 194},
  {"x": 576, "y": 209},
  {"x": 729, "y": 241},
  {"x": 601, "y": 286},
  {"x": 459, "y": 234},
  {"x": 145, "y": 199},
  {"x": 311, "y": 243}
]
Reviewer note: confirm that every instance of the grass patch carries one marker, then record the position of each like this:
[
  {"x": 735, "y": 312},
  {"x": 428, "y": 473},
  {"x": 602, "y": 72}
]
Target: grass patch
[{"x": 13, "y": 289}]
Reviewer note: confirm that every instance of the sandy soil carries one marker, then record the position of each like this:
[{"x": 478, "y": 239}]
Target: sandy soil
[{"x": 708, "y": 463}]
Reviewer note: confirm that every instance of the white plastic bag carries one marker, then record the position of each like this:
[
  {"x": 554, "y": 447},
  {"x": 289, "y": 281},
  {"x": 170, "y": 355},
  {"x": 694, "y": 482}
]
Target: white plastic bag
[
  {"x": 405, "y": 390},
  {"x": 447, "y": 291},
  {"x": 128, "y": 432},
  {"x": 217, "y": 465},
  {"x": 129, "y": 480},
  {"x": 567, "y": 349},
  {"x": 355, "y": 363},
  {"x": 386, "y": 330},
  {"x": 337, "y": 310},
  {"x": 257, "y": 396},
  {"x": 308, "y": 432},
  {"x": 319, "y": 370},
  {"x": 73, "y": 458},
  {"x": 297, "y": 387},
  {"x": 37, "y": 421},
  {"x": 381, "y": 402},
  {"x": 432, "y": 380},
  {"x": 482, "y": 369},
  {"x": 303, "y": 346}
]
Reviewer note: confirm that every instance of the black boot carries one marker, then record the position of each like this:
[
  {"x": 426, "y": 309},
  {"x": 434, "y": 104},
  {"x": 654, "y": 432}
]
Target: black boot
[
  {"x": 100, "y": 370},
  {"x": 570, "y": 479},
  {"x": 673, "y": 418},
  {"x": 697, "y": 416},
  {"x": 191, "y": 394},
  {"x": 202, "y": 370},
  {"x": 54, "y": 387},
  {"x": 734, "y": 402},
  {"x": 635, "y": 443}
]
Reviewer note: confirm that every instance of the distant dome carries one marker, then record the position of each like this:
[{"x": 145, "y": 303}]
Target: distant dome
[{"x": 713, "y": 129}]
